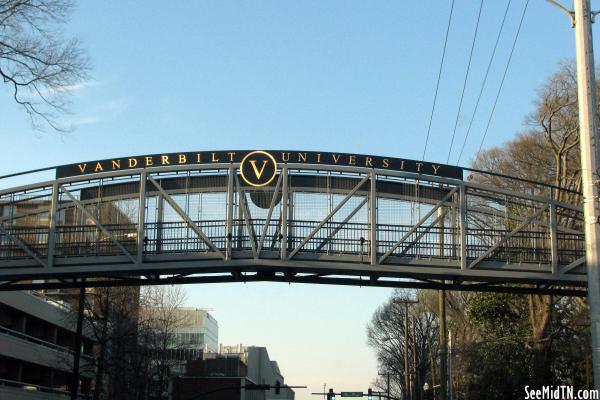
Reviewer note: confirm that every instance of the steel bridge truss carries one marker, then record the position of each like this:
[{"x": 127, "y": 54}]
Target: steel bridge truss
[{"x": 311, "y": 224}]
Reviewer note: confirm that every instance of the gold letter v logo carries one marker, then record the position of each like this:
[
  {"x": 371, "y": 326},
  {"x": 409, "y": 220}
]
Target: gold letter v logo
[{"x": 258, "y": 172}]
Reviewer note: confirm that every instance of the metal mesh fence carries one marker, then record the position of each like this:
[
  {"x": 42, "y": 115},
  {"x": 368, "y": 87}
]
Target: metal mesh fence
[{"x": 108, "y": 209}]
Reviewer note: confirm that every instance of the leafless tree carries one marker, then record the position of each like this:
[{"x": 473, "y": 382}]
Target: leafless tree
[
  {"x": 556, "y": 118},
  {"x": 110, "y": 319},
  {"x": 547, "y": 152},
  {"x": 37, "y": 64},
  {"x": 133, "y": 331},
  {"x": 113, "y": 314},
  {"x": 160, "y": 318},
  {"x": 386, "y": 335}
]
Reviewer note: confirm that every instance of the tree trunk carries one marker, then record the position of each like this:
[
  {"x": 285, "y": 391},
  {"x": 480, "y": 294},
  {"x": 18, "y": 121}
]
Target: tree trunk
[
  {"x": 540, "y": 313},
  {"x": 98, "y": 388}
]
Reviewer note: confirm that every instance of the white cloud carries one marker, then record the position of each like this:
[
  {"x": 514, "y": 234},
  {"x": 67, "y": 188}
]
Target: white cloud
[
  {"x": 31, "y": 93},
  {"x": 85, "y": 120},
  {"x": 102, "y": 112}
]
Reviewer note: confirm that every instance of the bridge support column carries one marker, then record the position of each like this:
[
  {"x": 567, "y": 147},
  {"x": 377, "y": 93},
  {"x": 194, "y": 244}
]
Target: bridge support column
[
  {"x": 229, "y": 226},
  {"x": 553, "y": 239},
  {"x": 373, "y": 218},
  {"x": 462, "y": 213},
  {"x": 53, "y": 214},
  {"x": 160, "y": 218},
  {"x": 441, "y": 239},
  {"x": 284, "y": 213},
  {"x": 141, "y": 237}
]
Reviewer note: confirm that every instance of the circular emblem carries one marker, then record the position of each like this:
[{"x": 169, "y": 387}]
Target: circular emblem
[{"x": 258, "y": 168}]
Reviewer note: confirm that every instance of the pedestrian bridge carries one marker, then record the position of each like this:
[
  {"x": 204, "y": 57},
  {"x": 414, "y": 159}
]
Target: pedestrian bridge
[{"x": 288, "y": 216}]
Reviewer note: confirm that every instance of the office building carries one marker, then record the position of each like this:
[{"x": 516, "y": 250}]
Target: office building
[
  {"x": 232, "y": 374},
  {"x": 37, "y": 336}
]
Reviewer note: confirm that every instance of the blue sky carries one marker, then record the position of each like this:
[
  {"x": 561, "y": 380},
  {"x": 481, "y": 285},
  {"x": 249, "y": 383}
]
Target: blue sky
[{"x": 346, "y": 76}]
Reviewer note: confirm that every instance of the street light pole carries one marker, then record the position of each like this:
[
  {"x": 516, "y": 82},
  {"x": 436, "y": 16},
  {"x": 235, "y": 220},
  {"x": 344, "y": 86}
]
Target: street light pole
[
  {"x": 590, "y": 148},
  {"x": 582, "y": 19}
]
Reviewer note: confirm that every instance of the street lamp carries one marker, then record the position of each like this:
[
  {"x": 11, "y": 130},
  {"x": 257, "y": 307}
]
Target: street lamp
[{"x": 426, "y": 388}]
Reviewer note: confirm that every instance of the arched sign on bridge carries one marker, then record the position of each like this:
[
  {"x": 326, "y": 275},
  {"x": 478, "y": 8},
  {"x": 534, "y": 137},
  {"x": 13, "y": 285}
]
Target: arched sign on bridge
[{"x": 289, "y": 216}]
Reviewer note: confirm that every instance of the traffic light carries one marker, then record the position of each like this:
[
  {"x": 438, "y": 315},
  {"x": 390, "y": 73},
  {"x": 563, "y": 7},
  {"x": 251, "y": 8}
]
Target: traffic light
[
  {"x": 277, "y": 387},
  {"x": 370, "y": 394},
  {"x": 331, "y": 395}
]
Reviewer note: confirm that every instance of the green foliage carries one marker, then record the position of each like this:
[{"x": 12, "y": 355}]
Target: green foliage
[
  {"x": 498, "y": 365},
  {"x": 497, "y": 315},
  {"x": 496, "y": 370}
]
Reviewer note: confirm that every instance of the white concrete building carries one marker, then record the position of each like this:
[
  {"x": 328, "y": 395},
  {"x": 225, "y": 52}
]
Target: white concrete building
[
  {"x": 197, "y": 330},
  {"x": 261, "y": 369},
  {"x": 197, "y": 333},
  {"x": 37, "y": 336}
]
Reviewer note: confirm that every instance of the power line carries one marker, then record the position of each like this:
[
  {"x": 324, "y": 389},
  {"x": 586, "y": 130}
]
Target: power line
[
  {"x": 462, "y": 95},
  {"x": 503, "y": 77},
  {"x": 437, "y": 86},
  {"x": 484, "y": 81}
]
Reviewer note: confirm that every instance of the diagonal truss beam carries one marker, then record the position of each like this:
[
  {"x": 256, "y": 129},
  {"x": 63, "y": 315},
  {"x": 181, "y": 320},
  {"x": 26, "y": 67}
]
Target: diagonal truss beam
[
  {"x": 544, "y": 224},
  {"x": 329, "y": 216},
  {"x": 23, "y": 246},
  {"x": 418, "y": 224},
  {"x": 573, "y": 265},
  {"x": 185, "y": 217},
  {"x": 427, "y": 229},
  {"x": 246, "y": 214},
  {"x": 97, "y": 223},
  {"x": 341, "y": 224},
  {"x": 269, "y": 214},
  {"x": 508, "y": 236}
]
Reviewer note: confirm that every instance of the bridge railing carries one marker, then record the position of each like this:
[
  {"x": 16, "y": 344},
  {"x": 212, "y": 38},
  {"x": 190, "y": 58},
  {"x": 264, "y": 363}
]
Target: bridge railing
[
  {"x": 527, "y": 246},
  {"x": 341, "y": 214}
]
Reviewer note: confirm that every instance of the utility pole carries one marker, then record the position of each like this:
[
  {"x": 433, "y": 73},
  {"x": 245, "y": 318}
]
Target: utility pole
[
  {"x": 415, "y": 384},
  {"x": 443, "y": 344},
  {"x": 405, "y": 302},
  {"x": 387, "y": 375},
  {"x": 590, "y": 147},
  {"x": 450, "y": 381},
  {"x": 406, "y": 370},
  {"x": 388, "y": 385},
  {"x": 432, "y": 361}
]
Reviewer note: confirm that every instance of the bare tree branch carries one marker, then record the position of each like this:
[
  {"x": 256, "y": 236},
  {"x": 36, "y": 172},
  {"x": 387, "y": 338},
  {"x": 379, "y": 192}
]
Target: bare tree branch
[{"x": 37, "y": 65}]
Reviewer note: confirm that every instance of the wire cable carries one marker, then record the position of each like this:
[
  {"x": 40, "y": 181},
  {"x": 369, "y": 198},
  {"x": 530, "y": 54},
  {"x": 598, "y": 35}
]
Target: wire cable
[
  {"x": 437, "y": 86},
  {"x": 462, "y": 95},
  {"x": 487, "y": 72},
  {"x": 503, "y": 77}
]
